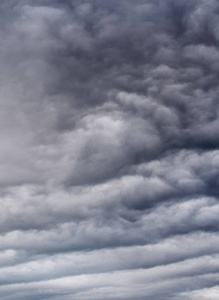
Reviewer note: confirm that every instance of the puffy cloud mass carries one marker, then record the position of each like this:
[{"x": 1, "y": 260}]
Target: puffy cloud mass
[{"x": 109, "y": 149}]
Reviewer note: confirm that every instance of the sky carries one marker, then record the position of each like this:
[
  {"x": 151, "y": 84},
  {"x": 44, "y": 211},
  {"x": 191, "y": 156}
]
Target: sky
[{"x": 109, "y": 149}]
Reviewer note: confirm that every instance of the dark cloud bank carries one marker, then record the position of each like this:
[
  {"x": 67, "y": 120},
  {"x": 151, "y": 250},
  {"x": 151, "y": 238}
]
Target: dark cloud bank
[{"x": 109, "y": 157}]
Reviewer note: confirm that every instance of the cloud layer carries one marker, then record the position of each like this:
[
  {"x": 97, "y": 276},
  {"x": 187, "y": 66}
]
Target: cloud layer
[{"x": 109, "y": 157}]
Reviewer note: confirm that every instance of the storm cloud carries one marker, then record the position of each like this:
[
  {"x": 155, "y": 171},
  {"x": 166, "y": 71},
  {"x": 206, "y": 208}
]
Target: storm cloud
[{"x": 109, "y": 149}]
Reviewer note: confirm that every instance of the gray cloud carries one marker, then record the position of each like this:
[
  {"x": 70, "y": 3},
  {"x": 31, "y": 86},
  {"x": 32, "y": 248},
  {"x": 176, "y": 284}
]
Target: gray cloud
[{"x": 109, "y": 157}]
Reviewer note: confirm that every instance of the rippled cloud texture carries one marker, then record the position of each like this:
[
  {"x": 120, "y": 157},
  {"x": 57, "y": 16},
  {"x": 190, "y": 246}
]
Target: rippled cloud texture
[{"x": 109, "y": 157}]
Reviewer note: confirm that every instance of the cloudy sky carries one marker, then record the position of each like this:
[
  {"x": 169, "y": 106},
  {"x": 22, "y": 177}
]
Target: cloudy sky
[{"x": 109, "y": 149}]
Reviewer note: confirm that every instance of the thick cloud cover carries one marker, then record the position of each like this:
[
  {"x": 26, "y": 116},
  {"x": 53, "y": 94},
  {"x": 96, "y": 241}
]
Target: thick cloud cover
[{"x": 109, "y": 157}]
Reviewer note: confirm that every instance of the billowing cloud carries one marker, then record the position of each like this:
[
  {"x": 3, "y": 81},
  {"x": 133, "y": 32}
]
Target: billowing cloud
[{"x": 109, "y": 157}]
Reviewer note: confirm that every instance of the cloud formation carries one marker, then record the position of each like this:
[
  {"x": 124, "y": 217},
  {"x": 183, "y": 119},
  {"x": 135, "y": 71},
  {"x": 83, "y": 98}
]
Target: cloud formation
[{"x": 109, "y": 157}]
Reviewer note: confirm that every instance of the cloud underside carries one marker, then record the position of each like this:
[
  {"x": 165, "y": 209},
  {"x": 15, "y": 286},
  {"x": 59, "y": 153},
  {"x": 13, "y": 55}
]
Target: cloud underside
[{"x": 109, "y": 157}]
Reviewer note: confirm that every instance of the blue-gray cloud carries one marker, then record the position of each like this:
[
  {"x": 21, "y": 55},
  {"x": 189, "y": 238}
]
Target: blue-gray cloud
[{"x": 109, "y": 157}]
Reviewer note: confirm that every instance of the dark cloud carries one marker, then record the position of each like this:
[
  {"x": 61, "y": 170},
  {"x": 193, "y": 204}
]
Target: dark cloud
[{"x": 109, "y": 157}]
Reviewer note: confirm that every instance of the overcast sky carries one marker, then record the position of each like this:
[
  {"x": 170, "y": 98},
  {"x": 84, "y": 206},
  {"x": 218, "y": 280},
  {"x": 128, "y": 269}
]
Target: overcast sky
[{"x": 109, "y": 149}]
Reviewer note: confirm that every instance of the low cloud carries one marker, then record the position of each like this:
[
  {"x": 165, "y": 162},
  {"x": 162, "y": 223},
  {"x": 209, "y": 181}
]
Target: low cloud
[{"x": 109, "y": 157}]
